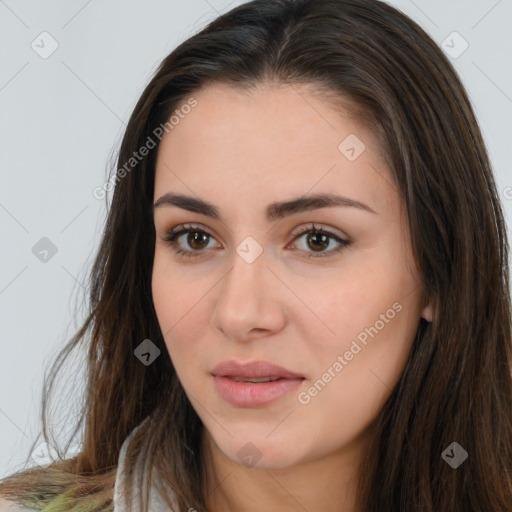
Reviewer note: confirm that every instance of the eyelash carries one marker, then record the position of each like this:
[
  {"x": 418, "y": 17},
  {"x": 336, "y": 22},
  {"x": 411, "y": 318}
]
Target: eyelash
[{"x": 170, "y": 239}]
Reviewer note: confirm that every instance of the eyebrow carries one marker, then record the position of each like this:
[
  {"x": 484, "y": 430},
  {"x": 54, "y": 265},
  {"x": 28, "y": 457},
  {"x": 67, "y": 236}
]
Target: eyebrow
[{"x": 275, "y": 211}]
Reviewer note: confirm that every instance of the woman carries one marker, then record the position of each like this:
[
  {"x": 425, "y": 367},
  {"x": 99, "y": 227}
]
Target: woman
[{"x": 301, "y": 299}]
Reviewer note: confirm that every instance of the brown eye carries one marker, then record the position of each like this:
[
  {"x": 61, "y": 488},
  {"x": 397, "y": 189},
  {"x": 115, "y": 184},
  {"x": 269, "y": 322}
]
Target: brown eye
[
  {"x": 193, "y": 245},
  {"x": 197, "y": 239},
  {"x": 318, "y": 240}
]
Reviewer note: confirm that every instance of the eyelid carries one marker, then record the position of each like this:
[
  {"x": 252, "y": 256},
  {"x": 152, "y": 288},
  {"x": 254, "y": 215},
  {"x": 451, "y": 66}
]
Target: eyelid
[
  {"x": 316, "y": 227},
  {"x": 180, "y": 229},
  {"x": 187, "y": 226},
  {"x": 301, "y": 230}
]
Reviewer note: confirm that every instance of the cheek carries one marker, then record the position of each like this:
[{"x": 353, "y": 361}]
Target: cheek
[
  {"x": 372, "y": 318},
  {"x": 361, "y": 296},
  {"x": 174, "y": 296},
  {"x": 356, "y": 374},
  {"x": 180, "y": 306}
]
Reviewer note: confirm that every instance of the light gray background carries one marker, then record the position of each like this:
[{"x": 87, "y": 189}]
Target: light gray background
[{"x": 61, "y": 120}]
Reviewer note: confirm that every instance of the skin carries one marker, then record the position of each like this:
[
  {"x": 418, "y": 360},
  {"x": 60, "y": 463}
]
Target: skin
[{"x": 242, "y": 150}]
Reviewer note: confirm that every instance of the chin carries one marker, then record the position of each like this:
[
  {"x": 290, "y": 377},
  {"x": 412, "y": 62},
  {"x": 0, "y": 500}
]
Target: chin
[{"x": 260, "y": 453}]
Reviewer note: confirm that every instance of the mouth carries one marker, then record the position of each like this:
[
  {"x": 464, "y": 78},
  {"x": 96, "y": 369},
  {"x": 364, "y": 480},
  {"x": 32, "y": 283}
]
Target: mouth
[
  {"x": 253, "y": 371},
  {"x": 256, "y": 384},
  {"x": 253, "y": 379}
]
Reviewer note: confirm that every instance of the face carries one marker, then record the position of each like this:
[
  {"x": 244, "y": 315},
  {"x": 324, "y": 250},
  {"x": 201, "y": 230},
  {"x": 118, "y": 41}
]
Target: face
[{"x": 337, "y": 308}]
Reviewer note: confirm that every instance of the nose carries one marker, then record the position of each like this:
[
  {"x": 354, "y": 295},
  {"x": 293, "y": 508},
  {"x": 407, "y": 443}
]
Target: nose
[{"x": 250, "y": 301}]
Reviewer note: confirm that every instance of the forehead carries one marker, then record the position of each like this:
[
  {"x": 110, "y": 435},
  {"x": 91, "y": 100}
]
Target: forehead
[{"x": 282, "y": 140}]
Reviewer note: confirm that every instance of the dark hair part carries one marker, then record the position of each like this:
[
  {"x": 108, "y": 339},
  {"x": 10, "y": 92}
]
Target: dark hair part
[{"x": 457, "y": 383}]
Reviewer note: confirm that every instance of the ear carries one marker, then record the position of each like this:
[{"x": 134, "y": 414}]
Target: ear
[{"x": 428, "y": 313}]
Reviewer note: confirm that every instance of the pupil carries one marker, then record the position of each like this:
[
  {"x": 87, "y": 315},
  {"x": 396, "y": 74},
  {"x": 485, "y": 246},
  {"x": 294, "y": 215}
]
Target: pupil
[{"x": 323, "y": 238}]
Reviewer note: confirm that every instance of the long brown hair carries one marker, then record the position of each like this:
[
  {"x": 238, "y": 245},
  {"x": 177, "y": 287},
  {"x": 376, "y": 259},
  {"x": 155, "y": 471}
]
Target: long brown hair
[{"x": 457, "y": 383}]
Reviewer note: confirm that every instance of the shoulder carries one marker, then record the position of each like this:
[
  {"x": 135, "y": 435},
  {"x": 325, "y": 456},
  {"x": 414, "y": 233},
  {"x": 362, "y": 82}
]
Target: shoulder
[
  {"x": 10, "y": 506},
  {"x": 121, "y": 483},
  {"x": 122, "y": 486}
]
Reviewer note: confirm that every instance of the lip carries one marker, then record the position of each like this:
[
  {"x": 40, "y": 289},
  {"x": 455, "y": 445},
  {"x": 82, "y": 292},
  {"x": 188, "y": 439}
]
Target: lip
[
  {"x": 251, "y": 395},
  {"x": 254, "y": 369}
]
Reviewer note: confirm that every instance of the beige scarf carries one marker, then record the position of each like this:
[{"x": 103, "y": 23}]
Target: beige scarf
[{"x": 156, "y": 503}]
